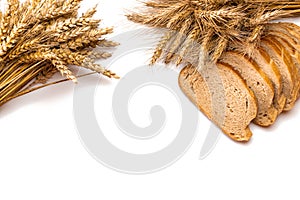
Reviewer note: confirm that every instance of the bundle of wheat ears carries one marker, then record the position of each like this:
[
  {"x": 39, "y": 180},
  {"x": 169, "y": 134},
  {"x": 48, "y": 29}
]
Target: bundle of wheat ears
[
  {"x": 214, "y": 24},
  {"x": 240, "y": 66},
  {"x": 39, "y": 38}
]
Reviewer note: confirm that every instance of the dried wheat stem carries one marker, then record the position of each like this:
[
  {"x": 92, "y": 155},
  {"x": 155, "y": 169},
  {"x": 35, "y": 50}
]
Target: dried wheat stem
[
  {"x": 41, "y": 37},
  {"x": 221, "y": 22},
  {"x": 191, "y": 40},
  {"x": 159, "y": 49}
]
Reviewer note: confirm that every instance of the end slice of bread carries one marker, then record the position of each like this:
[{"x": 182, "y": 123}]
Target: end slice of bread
[
  {"x": 239, "y": 106},
  {"x": 258, "y": 82}
]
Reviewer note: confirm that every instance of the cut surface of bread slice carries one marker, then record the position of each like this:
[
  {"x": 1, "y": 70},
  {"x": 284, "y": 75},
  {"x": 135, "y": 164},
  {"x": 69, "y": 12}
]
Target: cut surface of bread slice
[
  {"x": 239, "y": 105},
  {"x": 279, "y": 55},
  {"x": 289, "y": 34},
  {"x": 258, "y": 82},
  {"x": 286, "y": 43},
  {"x": 293, "y": 31},
  {"x": 285, "y": 38},
  {"x": 263, "y": 60},
  {"x": 266, "y": 63}
]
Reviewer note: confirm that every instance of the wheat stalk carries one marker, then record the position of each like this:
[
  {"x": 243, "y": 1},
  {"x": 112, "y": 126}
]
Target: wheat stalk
[
  {"x": 221, "y": 23},
  {"x": 39, "y": 38}
]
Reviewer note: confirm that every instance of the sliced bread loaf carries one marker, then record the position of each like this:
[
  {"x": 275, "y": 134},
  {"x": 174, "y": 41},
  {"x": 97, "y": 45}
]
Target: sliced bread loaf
[
  {"x": 239, "y": 105},
  {"x": 258, "y": 82}
]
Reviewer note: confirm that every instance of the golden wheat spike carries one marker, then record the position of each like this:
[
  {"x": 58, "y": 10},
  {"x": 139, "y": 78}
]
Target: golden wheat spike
[
  {"x": 221, "y": 22},
  {"x": 40, "y": 38}
]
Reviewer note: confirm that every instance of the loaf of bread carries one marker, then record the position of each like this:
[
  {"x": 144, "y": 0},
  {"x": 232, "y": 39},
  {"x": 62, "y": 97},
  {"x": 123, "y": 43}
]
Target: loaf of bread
[{"x": 254, "y": 87}]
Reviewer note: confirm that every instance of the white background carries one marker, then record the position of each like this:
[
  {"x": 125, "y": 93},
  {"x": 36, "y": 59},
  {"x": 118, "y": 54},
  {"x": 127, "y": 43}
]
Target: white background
[{"x": 42, "y": 157}]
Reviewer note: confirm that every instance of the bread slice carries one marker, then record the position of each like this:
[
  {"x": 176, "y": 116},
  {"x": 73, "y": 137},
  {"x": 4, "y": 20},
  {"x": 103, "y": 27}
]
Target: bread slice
[
  {"x": 263, "y": 60},
  {"x": 238, "y": 103},
  {"x": 279, "y": 56},
  {"x": 289, "y": 29},
  {"x": 289, "y": 34},
  {"x": 293, "y": 31},
  {"x": 292, "y": 27},
  {"x": 258, "y": 82},
  {"x": 287, "y": 44},
  {"x": 288, "y": 40}
]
